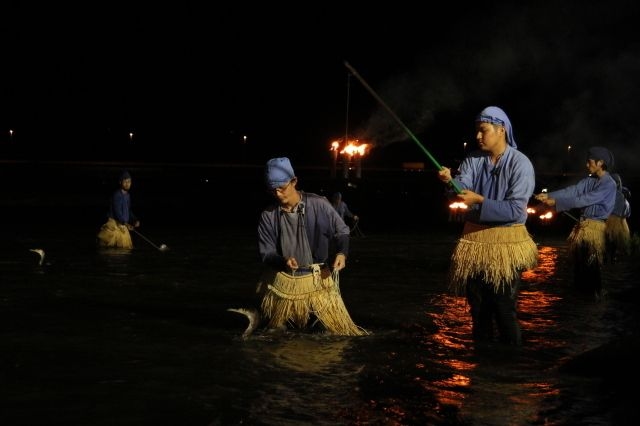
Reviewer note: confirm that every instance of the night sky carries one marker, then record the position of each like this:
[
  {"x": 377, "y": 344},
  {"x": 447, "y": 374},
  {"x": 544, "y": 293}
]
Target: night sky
[{"x": 190, "y": 81}]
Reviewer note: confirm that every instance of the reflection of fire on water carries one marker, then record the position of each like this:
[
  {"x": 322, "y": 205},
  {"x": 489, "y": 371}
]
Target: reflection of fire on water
[
  {"x": 536, "y": 305},
  {"x": 457, "y": 210},
  {"x": 453, "y": 335},
  {"x": 546, "y": 268},
  {"x": 452, "y": 339},
  {"x": 352, "y": 152}
]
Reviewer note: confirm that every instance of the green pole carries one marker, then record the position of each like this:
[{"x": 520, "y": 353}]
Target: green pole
[{"x": 455, "y": 185}]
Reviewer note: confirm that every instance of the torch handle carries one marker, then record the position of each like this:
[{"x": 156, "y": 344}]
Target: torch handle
[{"x": 456, "y": 187}]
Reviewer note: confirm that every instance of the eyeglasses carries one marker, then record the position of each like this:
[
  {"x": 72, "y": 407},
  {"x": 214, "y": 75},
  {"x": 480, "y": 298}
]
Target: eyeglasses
[{"x": 283, "y": 188}]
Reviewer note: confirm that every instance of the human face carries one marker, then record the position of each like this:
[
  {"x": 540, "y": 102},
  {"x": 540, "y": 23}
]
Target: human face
[
  {"x": 594, "y": 166},
  {"x": 125, "y": 184},
  {"x": 490, "y": 137},
  {"x": 284, "y": 192}
]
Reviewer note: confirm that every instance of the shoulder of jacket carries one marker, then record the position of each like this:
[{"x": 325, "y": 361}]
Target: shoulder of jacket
[
  {"x": 272, "y": 208},
  {"x": 314, "y": 196}
]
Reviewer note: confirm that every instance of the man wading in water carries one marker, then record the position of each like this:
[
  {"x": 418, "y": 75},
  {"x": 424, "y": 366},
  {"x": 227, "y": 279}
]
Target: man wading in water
[
  {"x": 496, "y": 183},
  {"x": 294, "y": 238}
]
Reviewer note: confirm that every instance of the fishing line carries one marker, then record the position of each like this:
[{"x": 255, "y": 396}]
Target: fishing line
[
  {"x": 162, "y": 247},
  {"x": 454, "y": 184}
]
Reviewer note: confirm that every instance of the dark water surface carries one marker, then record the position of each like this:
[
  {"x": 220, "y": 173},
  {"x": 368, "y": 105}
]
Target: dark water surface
[{"x": 104, "y": 337}]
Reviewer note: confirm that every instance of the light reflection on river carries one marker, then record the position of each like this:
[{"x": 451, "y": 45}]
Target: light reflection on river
[{"x": 146, "y": 338}]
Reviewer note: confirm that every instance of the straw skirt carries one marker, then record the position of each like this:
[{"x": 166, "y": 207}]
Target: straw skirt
[
  {"x": 618, "y": 235},
  {"x": 112, "y": 234},
  {"x": 497, "y": 255},
  {"x": 588, "y": 240},
  {"x": 294, "y": 298}
]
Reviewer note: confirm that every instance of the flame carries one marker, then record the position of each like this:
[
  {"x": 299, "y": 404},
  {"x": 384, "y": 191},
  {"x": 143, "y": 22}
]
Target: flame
[
  {"x": 458, "y": 205},
  {"x": 546, "y": 216},
  {"x": 457, "y": 211},
  {"x": 350, "y": 148}
]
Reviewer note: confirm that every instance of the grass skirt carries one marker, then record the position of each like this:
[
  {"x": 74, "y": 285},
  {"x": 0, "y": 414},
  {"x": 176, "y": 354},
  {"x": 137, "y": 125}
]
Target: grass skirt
[
  {"x": 113, "y": 235},
  {"x": 495, "y": 254},
  {"x": 618, "y": 235},
  {"x": 588, "y": 239},
  {"x": 293, "y": 298}
]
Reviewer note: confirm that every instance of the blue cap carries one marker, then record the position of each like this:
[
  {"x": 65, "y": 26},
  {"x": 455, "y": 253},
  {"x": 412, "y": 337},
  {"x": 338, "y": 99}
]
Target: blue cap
[{"x": 278, "y": 172}]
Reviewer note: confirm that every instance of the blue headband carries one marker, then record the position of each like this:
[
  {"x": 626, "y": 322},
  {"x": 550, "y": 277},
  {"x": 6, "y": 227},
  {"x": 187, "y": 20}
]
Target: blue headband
[{"x": 495, "y": 115}]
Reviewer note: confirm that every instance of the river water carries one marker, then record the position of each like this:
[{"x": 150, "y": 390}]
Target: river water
[
  {"x": 144, "y": 337},
  {"x": 105, "y": 337}
]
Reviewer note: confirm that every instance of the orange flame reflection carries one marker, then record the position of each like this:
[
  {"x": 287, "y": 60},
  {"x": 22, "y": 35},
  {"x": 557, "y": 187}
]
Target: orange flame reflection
[
  {"x": 535, "y": 305},
  {"x": 546, "y": 268},
  {"x": 452, "y": 337}
]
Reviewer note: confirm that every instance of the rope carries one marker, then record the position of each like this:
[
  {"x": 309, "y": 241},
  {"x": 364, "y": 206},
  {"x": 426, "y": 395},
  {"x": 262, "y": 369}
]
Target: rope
[{"x": 335, "y": 274}]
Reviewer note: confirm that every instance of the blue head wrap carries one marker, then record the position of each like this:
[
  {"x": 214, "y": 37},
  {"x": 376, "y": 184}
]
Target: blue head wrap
[
  {"x": 278, "y": 172},
  {"x": 601, "y": 153},
  {"x": 495, "y": 115},
  {"x": 124, "y": 175}
]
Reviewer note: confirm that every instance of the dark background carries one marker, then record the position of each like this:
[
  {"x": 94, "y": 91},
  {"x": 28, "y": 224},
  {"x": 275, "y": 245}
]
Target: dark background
[
  {"x": 41, "y": 196},
  {"x": 189, "y": 82}
]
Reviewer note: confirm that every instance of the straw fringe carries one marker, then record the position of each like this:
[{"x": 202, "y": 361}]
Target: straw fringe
[
  {"x": 291, "y": 298},
  {"x": 588, "y": 236},
  {"x": 617, "y": 234},
  {"x": 497, "y": 254}
]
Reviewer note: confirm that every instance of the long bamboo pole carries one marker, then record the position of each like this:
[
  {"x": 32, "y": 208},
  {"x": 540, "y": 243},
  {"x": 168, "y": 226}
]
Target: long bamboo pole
[{"x": 455, "y": 185}]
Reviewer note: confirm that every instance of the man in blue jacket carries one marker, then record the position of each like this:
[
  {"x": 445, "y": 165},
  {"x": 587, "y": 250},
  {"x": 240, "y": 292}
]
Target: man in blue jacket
[
  {"x": 595, "y": 196},
  {"x": 120, "y": 218},
  {"x": 496, "y": 182},
  {"x": 294, "y": 239}
]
